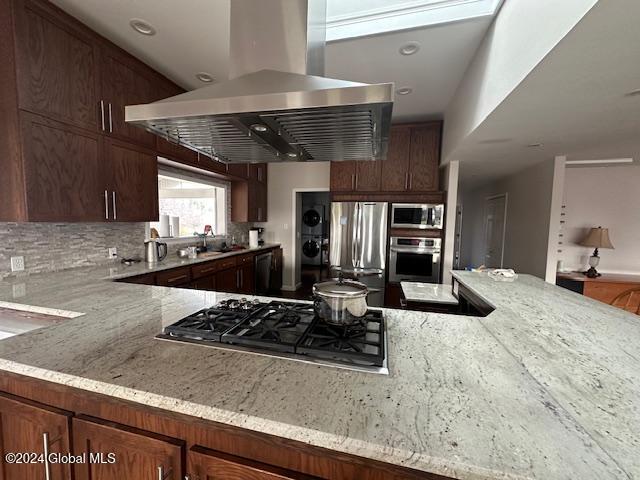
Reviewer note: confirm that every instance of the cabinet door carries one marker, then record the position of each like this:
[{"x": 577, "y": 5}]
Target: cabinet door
[
  {"x": 240, "y": 170},
  {"x": 205, "y": 464},
  {"x": 368, "y": 176},
  {"x": 395, "y": 169},
  {"x": 25, "y": 426},
  {"x": 205, "y": 283},
  {"x": 124, "y": 83},
  {"x": 228, "y": 280},
  {"x": 260, "y": 201},
  {"x": 425, "y": 153},
  {"x": 343, "y": 176},
  {"x": 258, "y": 172},
  {"x": 247, "y": 279},
  {"x": 139, "y": 455},
  {"x": 62, "y": 172},
  {"x": 174, "y": 277},
  {"x": 133, "y": 186},
  {"x": 57, "y": 66}
]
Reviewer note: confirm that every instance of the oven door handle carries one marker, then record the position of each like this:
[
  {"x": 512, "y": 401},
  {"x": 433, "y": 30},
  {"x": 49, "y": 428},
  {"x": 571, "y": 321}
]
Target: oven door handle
[{"x": 415, "y": 250}]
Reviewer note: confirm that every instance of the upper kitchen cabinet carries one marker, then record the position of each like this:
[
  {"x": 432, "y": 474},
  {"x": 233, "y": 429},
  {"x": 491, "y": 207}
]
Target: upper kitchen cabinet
[
  {"x": 61, "y": 167},
  {"x": 240, "y": 170},
  {"x": 56, "y": 63},
  {"x": 124, "y": 81},
  {"x": 131, "y": 193},
  {"x": 249, "y": 198},
  {"x": 411, "y": 166}
]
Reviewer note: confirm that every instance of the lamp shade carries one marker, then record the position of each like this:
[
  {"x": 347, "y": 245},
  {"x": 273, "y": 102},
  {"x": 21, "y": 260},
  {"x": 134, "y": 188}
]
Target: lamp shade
[{"x": 598, "y": 238}]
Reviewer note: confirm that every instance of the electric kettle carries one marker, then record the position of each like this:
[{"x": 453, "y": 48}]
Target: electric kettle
[{"x": 154, "y": 251}]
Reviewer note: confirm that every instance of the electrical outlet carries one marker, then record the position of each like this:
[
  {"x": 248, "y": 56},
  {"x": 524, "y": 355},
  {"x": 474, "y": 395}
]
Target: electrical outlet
[
  {"x": 113, "y": 252},
  {"x": 17, "y": 264},
  {"x": 19, "y": 290}
]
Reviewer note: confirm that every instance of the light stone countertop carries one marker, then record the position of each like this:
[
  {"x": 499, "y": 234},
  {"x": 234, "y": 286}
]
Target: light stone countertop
[
  {"x": 545, "y": 387},
  {"x": 428, "y": 293}
]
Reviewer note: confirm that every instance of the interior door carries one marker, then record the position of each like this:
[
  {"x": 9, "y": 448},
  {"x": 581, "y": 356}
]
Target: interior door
[
  {"x": 494, "y": 228},
  {"x": 138, "y": 455},
  {"x": 25, "y": 427}
]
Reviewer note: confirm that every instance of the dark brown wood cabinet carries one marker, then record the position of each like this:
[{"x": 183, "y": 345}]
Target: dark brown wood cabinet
[
  {"x": 132, "y": 173},
  {"x": 275, "y": 284},
  {"x": 175, "y": 277},
  {"x": 249, "y": 198},
  {"x": 62, "y": 172},
  {"x": 138, "y": 454},
  {"x": 26, "y": 426},
  {"x": 227, "y": 280},
  {"x": 124, "y": 83},
  {"x": 411, "y": 166},
  {"x": 395, "y": 169},
  {"x": 343, "y": 176},
  {"x": 206, "y": 464},
  {"x": 57, "y": 64}
]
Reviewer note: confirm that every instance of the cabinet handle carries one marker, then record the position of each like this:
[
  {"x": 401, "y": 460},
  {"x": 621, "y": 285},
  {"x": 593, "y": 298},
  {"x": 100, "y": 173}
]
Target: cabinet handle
[
  {"x": 410, "y": 180},
  {"x": 406, "y": 181},
  {"x": 115, "y": 212},
  {"x": 237, "y": 278},
  {"x": 162, "y": 475},
  {"x": 106, "y": 205},
  {"x": 110, "y": 119},
  {"x": 175, "y": 279},
  {"x": 47, "y": 465},
  {"x": 353, "y": 182},
  {"x": 259, "y": 213},
  {"x": 102, "y": 113}
]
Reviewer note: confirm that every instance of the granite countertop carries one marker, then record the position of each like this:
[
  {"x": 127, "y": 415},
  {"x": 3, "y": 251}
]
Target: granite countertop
[
  {"x": 428, "y": 292},
  {"x": 545, "y": 387},
  {"x": 117, "y": 271}
]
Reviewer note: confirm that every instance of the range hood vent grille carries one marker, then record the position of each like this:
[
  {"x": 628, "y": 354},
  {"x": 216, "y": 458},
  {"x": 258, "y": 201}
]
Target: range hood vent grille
[{"x": 344, "y": 133}]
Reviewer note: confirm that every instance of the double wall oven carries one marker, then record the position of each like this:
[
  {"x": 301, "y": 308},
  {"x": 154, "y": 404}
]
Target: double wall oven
[{"x": 415, "y": 257}]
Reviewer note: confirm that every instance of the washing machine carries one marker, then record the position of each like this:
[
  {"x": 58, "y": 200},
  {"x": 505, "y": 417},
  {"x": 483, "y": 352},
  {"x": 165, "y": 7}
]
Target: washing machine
[
  {"x": 311, "y": 251},
  {"x": 313, "y": 220}
]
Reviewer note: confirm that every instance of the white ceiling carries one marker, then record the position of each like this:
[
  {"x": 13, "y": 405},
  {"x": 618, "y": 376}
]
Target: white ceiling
[
  {"x": 193, "y": 36},
  {"x": 573, "y": 102}
]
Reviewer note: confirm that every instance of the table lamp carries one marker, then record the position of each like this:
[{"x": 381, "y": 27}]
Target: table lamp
[{"x": 597, "y": 238}]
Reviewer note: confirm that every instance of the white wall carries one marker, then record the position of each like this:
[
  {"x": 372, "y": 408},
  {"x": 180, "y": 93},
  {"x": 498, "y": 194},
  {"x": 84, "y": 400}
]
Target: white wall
[
  {"x": 450, "y": 178},
  {"x": 607, "y": 197},
  {"x": 523, "y": 33},
  {"x": 529, "y": 205},
  {"x": 284, "y": 179}
]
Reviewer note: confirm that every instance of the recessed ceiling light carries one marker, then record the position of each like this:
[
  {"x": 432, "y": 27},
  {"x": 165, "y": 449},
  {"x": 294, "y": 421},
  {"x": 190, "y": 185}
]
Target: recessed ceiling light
[
  {"x": 533, "y": 145},
  {"x": 258, "y": 127},
  {"x": 292, "y": 154},
  {"x": 409, "y": 48},
  {"x": 142, "y": 26},
  {"x": 633, "y": 93},
  {"x": 404, "y": 91},
  {"x": 205, "y": 77}
]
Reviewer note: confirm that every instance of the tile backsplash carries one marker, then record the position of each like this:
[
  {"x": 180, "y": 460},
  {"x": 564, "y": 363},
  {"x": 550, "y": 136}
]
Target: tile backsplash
[{"x": 50, "y": 247}]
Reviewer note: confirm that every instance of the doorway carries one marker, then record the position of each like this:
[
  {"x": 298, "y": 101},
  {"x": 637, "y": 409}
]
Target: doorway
[{"x": 495, "y": 220}]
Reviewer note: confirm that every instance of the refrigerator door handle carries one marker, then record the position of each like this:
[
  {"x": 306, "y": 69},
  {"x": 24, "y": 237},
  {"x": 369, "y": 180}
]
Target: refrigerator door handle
[{"x": 354, "y": 238}]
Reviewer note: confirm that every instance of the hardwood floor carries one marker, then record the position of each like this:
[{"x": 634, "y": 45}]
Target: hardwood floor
[{"x": 308, "y": 276}]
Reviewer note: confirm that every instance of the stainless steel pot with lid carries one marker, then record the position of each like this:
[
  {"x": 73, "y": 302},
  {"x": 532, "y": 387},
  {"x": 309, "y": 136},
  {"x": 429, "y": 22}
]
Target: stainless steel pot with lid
[{"x": 340, "y": 301}]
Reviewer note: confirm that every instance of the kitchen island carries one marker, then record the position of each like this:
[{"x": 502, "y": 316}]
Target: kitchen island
[{"x": 547, "y": 386}]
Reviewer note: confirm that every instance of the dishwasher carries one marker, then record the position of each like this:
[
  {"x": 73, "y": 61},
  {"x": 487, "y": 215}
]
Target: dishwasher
[{"x": 263, "y": 272}]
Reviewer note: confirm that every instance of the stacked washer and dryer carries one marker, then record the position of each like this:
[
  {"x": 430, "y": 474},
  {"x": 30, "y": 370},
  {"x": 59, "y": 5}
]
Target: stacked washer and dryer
[{"x": 314, "y": 235}]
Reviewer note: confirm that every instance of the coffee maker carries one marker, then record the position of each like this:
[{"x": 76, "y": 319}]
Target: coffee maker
[{"x": 260, "y": 233}]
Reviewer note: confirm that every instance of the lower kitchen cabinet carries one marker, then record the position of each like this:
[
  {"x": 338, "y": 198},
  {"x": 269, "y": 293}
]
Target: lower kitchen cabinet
[
  {"x": 227, "y": 280},
  {"x": 205, "y": 464},
  {"x": 27, "y": 426},
  {"x": 275, "y": 284},
  {"x": 139, "y": 455},
  {"x": 246, "y": 279},
  {"x": 175, "y": 277},
  {"x": 205, "y": 283}
]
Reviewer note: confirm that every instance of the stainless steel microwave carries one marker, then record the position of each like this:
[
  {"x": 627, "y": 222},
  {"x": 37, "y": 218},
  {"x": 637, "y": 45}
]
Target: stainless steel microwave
[{"x": 416, "y": 215}]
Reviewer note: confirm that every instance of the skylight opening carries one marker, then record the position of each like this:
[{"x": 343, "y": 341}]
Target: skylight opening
[{"x": 358, "y": 18}]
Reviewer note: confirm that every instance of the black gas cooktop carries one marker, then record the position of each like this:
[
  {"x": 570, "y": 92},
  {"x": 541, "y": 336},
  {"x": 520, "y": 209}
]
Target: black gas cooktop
[{"x": 286, "y": 329}]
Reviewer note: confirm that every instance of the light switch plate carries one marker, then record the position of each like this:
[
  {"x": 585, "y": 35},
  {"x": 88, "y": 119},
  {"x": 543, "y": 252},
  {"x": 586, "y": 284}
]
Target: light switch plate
[
  {"x": 113, "y": 252},
  {"x": 17, "y": 264}
]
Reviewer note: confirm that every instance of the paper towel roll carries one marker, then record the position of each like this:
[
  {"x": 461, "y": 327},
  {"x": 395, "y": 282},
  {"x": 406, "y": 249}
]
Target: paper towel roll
[
  {"x": 253, "y": 238},
  {"x": 164, "y": 226},
  {"x": 174, "y": 229}
]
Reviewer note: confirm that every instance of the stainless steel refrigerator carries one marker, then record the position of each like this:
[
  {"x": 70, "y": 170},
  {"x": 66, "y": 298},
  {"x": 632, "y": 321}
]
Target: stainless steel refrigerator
[{"x": 358, "y": 242}]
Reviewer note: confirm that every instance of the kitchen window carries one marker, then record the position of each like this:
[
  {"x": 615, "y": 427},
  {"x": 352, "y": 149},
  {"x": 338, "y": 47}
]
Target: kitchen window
[{"x": 187, "y": 204}]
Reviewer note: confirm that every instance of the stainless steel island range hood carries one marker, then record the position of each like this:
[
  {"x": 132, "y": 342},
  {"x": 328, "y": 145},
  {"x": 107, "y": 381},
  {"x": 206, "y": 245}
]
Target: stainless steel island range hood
[{"x": 277, "y": 105}]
